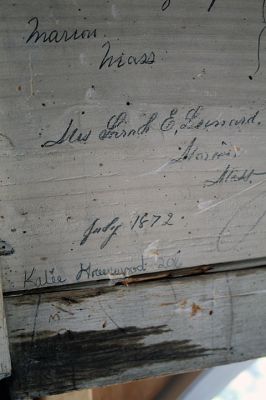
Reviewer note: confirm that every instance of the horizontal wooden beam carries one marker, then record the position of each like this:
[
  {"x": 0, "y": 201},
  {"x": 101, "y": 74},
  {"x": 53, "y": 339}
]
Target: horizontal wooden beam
[{"x": 91, "y": 337}]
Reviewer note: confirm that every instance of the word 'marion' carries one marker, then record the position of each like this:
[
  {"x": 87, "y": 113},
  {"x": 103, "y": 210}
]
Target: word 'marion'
[{"x": 54, "y": 36}]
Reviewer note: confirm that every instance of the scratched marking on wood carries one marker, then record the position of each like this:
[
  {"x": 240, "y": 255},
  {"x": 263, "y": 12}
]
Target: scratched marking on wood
[
  {"x": 85, "y": 338},
  {"x": 132, "y": 137}
]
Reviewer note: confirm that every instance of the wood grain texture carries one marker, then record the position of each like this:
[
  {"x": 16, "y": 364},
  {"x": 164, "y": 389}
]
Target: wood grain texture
[
  {"x": 143, "y": 389},
  {"x": 162, "y": 164},
  {"x": 85, "y": 338},
  {"x": 5, "y": 364}
]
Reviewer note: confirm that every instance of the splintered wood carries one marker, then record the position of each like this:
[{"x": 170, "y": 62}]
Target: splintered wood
[{"x": 132, "y": 137}]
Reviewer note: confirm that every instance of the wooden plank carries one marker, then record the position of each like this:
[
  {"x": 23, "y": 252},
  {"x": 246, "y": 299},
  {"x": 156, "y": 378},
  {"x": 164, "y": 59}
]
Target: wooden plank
[
  {"x": 86, "y": 338},
  {"x": 170, "y": 172},
  {"x": 166, "y": 387},
  {"x": 5, "y": 364},
  {"x": 76, "y": 395},
  {"x": 146, "y": 389}
]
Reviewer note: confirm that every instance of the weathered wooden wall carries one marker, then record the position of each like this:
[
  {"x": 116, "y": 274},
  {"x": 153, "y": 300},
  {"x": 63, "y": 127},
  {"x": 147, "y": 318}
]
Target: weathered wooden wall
[
  {"x": 110, "y": 169},
  {"x": 132, "y": 142}
]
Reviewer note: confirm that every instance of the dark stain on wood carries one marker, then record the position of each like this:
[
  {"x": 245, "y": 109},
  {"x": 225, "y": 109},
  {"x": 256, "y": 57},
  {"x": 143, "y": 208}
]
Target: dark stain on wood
[
  {"x": 195, "y": 309},
  {"x": 25, "y": 336},
  {"x": 66, "y": 297},
  {"x": 80, "y": 295},
  {"x": 68, "y": 361},
  {"x": 5, "y": 248},
  {"x": 69, "y": 300}
]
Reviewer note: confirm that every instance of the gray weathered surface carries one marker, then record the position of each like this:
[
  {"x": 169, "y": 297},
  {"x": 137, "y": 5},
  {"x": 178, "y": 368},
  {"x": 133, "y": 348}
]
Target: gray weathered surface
[
  {"x": 5, "y": 364},
  {"x": 84, "y": 338},
  {"x": 109, "y": 171},
  {"x": 51, "y": 195}
]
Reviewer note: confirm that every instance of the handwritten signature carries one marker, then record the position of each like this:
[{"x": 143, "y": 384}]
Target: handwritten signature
[
  {"x": 123, "y": 59},
  {"x": 231, "y": 174},
  {"x": 46, "y": 278},
  {"x": 55, "y": 36},
  {"x": 89, "y": 272},
  {"x": 117, "y": 126},
  {"x": 193, "y": 152}
]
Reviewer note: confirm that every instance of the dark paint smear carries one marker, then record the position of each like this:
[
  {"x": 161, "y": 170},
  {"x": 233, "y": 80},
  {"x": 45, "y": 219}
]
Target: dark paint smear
[{"x": 70, "y": 360}]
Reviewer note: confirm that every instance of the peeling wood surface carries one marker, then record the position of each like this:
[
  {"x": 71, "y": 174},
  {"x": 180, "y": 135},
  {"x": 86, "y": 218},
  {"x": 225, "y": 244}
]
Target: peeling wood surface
[
  {"x": 68, "y": 340},
  {"x": 5, "y": 364},
  {"x": 149, "y": 161}
]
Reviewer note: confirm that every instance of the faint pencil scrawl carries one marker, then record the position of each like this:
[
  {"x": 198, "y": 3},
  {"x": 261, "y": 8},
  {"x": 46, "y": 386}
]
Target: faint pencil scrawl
[{"x": 259, "y": 41}]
